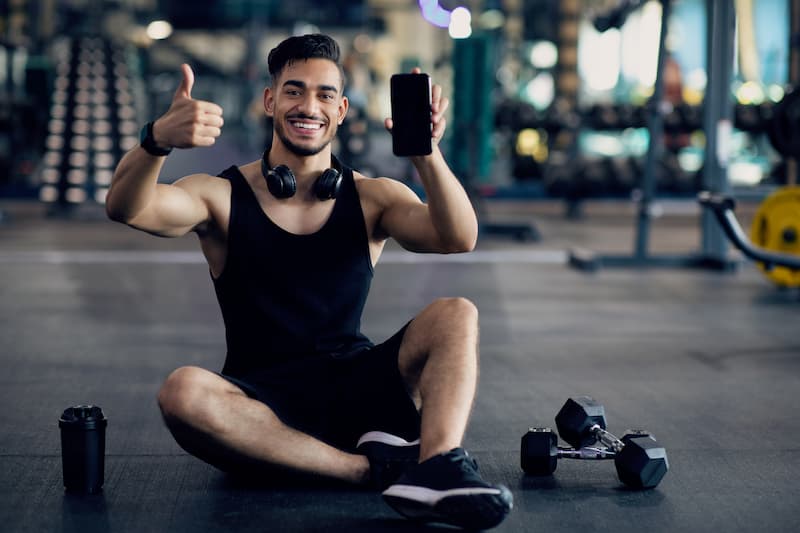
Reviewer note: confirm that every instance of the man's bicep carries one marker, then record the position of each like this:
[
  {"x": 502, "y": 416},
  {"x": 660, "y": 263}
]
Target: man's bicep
[
  {"x": 176, "y": 209},
  {"x": 407, "y": 220}
]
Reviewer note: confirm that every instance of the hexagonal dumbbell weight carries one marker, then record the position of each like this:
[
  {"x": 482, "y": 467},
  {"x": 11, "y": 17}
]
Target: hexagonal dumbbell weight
[{"x": 640, "y": 461}]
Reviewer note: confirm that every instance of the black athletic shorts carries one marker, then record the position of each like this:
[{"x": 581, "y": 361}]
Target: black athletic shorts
[{"x": 338, "y": 399}]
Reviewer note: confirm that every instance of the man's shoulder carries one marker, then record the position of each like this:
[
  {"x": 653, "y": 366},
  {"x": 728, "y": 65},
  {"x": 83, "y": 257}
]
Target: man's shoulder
[{"x": 382, "y": 189}]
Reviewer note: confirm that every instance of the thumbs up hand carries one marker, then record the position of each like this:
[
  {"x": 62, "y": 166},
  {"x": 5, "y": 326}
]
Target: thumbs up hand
[{"x": 188, "y": 122}]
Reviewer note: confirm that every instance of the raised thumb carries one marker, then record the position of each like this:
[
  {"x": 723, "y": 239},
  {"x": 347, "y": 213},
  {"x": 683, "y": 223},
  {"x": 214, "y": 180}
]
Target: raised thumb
[{"x": 185, "y": 88}]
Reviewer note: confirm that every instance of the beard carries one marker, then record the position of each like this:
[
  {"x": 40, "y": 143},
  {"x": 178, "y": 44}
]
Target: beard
[{"x": 296, "y": 149}]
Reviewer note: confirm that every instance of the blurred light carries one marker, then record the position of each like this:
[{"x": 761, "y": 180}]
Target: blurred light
[
  {"x": 126, "y": 112},
  {"x": 78, "y": 159},
  {"x": 532, "y": 143},
  {"x": 604, "y": 144},
  {"x": 460, "y": 23},
  {"x": 50, "y": 175},
  {"x": 527, "y": 140},
  {"x": 159, "y": 29},
  {"x": 690, "y": 160},
  {"x": 54, "y": 142},
  {"x": 128, "y": 127},
  {"x": 75, "y": 195},
  {"x": 56, "y": 126},
  {"x": 750, "y": 92},
  {"x": 434, "y": 13},
  {"x": 491, "y": 19},
  {"x": 775, "y": 92},
  {"x": 76, "y": 177},
  {"x": 541, "y": 90},
  {"x": 58, "y": 111},
  {"x": 100, "y": 196},
  {"x": 128, "y": 142},
  {"x": 598, "y": 58},
  {"x": 52, "y": 159},
  {"x": 48, "y": 193},
  {"x": 81, "y": 127},
  {"x": 103, "y": 176},
  {"x": 362, "y": 43},
  {"x": 102, "y": 143},
  {"x": 80, "y": 143},
  {"x": 80, "y": 111},
  {"x": 101, "y": 112},
  {"x": 101, "y": 127},
  {"x": 745, "y": 173},
  {"x": 544, "y": 54},
  {"x": 103, "y": 160},
  {"x": 303, "y": 28}
]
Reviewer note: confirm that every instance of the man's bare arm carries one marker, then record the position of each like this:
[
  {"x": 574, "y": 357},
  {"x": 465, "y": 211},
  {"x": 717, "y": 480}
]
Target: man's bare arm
[
  {"x": 447, "y": 222},
  {"x": 135, "y": 196}
]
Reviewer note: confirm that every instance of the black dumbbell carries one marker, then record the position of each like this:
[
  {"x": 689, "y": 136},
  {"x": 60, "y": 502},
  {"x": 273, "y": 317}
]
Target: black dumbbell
[
  {"x": 581, "y": 422},
  {"x": 640, "y": 461}
]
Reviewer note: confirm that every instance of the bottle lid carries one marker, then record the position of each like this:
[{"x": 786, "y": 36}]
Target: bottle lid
[{"x": 83, "y": 417}]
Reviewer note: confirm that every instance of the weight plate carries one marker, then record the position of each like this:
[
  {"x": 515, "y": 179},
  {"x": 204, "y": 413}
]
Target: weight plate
[{"x": 776, "y": 227}]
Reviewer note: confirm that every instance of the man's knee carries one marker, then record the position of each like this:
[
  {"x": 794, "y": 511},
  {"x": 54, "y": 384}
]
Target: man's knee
[
  {"x": 185, "y": 396},
  {"x": 456, "y": 309}
]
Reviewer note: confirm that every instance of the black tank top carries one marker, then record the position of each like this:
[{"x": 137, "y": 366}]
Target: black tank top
[{"x": 284, "y": 295}]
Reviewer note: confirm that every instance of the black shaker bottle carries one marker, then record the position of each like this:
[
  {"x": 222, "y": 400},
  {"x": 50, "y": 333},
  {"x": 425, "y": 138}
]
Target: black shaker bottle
[{"x": 83, "y": 446}]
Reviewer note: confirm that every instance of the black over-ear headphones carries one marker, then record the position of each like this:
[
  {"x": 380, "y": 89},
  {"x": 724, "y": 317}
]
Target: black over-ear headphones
[{"x": 282, "y": 183}]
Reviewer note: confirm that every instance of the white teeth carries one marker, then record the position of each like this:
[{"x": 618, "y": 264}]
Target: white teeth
[{"x": 306, "y": 126}]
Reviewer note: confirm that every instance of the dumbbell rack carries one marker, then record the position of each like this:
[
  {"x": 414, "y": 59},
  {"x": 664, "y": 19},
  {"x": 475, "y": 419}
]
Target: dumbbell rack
[
  {"x": 717, "y": 122},
  {"x": 93, "y": 121}
]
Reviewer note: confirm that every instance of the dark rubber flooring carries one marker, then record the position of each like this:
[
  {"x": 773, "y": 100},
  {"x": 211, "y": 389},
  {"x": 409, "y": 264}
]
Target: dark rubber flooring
[{"x": 93, "y": 312}]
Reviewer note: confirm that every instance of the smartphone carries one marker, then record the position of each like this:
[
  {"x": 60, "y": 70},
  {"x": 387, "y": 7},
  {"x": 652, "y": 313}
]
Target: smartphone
[{"x": 411, "y": 114}]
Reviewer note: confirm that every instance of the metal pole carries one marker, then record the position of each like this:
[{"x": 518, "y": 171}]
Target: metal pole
[
  {"x": 717, "y": 122},
  {"x": 655, "y": 127}
]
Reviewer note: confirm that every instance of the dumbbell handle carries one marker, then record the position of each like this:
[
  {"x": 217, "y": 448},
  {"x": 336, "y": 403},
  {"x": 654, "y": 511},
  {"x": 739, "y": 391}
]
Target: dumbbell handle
[
  {"x": 607, "y": 438},
  {"x": 596, "y": 454}
]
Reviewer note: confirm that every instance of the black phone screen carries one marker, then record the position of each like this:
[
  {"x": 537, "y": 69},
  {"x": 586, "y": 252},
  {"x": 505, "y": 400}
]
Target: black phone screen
[{"x": 411, "y": 114}]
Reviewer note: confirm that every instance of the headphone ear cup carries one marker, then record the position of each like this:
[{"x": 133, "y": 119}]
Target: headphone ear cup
[
  {"x": 281, "y": 182},
  {"x": 327, "y": 185}
]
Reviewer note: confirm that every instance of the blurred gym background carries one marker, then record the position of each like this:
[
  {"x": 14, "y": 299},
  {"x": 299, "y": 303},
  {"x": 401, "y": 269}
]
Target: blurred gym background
[{"x": 552, "y": 100}]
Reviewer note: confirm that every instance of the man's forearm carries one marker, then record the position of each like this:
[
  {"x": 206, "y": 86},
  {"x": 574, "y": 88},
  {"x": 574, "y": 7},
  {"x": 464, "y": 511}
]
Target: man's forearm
[{"x": 449, "y": 205}]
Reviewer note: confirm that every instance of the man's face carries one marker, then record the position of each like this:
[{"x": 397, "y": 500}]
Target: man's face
[{"x": 307, "y": 105}]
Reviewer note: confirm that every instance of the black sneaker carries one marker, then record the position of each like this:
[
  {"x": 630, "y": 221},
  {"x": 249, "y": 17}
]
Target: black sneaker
[
  {"x": 389, "y": 456},
  {"x": 447, "y": 488}
]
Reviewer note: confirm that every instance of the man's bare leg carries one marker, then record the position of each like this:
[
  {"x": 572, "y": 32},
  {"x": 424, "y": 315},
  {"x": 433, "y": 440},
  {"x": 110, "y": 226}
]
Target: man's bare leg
[
  {"x": 216, "y": 421},
  {"x": 439, "y": 361}
]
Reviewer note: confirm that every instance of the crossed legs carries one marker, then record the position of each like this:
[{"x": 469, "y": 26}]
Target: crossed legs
[{"x": 216, "y": 421}]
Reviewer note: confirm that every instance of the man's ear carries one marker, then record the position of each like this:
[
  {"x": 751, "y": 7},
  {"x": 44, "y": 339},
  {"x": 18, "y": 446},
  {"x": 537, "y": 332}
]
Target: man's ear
[
  {"x": 269, "y": 102},
  {"x": 343, "y": 107}
]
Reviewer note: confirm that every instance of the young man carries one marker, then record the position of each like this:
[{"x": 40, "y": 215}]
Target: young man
[{"x": 291, "y": 241}]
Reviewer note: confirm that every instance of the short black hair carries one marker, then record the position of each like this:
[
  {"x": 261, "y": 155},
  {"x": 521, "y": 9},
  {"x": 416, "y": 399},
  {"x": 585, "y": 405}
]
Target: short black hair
[{"x": 302, "y": 48}]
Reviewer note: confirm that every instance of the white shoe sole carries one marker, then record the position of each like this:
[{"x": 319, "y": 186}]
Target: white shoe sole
[{"x": 385, "y": 438}]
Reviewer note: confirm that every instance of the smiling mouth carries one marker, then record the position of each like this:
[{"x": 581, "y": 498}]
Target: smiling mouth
[{"x": 306, "y": 125}]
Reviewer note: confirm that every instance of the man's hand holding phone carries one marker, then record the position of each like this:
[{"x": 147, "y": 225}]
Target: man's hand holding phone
[{"x": 418, "y": 109}]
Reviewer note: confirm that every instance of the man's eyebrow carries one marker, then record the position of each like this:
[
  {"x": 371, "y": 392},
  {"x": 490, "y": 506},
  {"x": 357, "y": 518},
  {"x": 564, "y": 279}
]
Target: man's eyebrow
[{"x": 302, "y": 85}]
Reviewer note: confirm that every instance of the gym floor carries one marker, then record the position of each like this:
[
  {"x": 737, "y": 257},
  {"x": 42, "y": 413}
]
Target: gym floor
[{"x": 94, "y": 312}]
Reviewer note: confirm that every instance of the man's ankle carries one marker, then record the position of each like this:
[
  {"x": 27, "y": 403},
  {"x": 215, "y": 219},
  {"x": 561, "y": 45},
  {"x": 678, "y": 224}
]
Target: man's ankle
[{"x": 429, "y": 451}]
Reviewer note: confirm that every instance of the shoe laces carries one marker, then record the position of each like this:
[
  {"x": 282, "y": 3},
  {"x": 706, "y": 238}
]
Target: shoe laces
[{"x": 464, "y": 462}]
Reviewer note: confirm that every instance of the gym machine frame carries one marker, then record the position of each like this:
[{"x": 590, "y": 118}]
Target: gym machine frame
[
  {"x": 722, "y": 207},
  {"x": 717, "y": 120}
]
